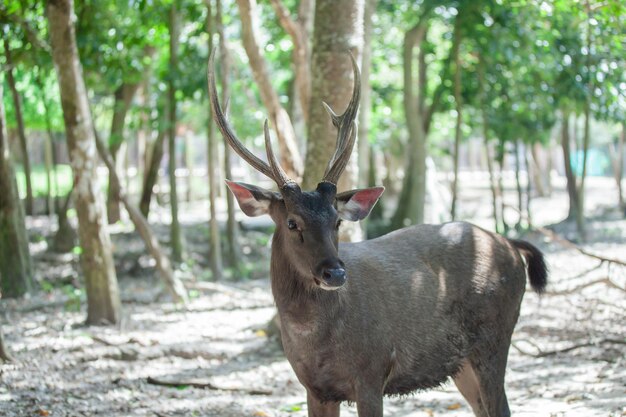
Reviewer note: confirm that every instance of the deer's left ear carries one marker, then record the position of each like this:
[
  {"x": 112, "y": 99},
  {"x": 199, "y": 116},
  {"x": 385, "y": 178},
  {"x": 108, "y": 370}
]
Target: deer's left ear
[{"x": 356, "y": 204}]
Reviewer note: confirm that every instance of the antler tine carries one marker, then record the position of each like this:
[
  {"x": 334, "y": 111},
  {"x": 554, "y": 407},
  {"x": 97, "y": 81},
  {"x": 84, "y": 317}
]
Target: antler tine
[
  {"x": 225, "y": 128},
  {"x": 346, "y": 130},
  {"x": 279, "y": 174}
]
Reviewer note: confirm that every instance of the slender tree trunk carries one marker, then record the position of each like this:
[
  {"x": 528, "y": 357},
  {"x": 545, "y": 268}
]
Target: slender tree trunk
[
  {"x": 366, "y": 94},
  {"x": 232, "y": 228},
  {"x": 15, "y": 262},
  {"x": 459, "y": 114},
  {"x": 50, "y": 150},
  {"x": 529, "y": 193},
  {"x": 500, "y": 159},
  {"x": 213, "y": 166},
  {"x": 123, "y": 98},
  {"x": 175, "y": 235},
  {"x": 17, "y": 105},
  {"x": 617, "y": 163},
  {"x": 518, "y": 184},
  {"x": 163, "y": 265},
  {"x": 48, "y": 145},
  {"x": 103, "y": 302},
  {"x": 5, "y": 356},
  {"x": 572, "y": 190},
  {"x": 412, "y": 197},
  {"x": 486, "y": 136},
  {"x": 580, "y": 214},
  {"x": 298, "y": 30},
  {"x": 152, "y": 164},
  {"x": 541, "y": 176},
  {"x": 289, "y": 155}
]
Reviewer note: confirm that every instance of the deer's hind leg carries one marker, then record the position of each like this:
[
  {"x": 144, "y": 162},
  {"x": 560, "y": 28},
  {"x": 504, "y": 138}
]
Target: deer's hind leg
[{"x": 488, "y": 364}]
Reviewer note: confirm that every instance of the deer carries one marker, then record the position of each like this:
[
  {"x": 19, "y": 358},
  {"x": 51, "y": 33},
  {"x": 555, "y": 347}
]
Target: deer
[{"x": 388, "y": 316}]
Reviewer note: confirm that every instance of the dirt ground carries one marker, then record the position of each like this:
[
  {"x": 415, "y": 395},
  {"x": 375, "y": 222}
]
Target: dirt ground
[{"x": 568, "y": 356}]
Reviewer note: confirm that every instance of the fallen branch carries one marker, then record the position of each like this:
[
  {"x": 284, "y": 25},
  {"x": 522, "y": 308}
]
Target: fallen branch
[
  {"x": 568, "y": 243},
  {"x": 198, "y": 383},
  {"x": 163, "y": 265},
  {"x": 606, "y": 281},
  {"x": 544, "y": 353}
]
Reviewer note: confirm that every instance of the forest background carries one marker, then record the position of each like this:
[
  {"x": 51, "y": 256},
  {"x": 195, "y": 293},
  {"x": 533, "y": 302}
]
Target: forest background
[{"x": 509, "y": 114}]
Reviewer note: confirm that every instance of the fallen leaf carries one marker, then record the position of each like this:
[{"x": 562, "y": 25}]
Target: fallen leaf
[
  {"x": 260, "y": 414},
  {"x": 454, "y": 406},
  {"x": 43, "y": 412}
]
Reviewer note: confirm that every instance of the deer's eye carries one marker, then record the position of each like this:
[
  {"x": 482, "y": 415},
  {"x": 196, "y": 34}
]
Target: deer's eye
[{"x": 291, "y": 224}]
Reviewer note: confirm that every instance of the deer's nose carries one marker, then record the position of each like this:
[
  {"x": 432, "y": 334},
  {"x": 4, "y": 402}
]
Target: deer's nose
[{"x": 334, "y": 277}]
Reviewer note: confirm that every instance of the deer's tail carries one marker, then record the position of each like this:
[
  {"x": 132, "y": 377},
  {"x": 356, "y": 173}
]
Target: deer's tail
[{"x": 535, "y": 263}]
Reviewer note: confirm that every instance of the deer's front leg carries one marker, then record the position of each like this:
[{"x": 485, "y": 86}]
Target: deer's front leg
[
  {"x": 369, "y": 402},
  {"x": 318, "y": 409}
]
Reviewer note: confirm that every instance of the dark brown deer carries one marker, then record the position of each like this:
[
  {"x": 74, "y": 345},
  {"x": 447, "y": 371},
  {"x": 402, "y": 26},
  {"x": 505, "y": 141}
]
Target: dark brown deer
[{"x": 391, "y": 315}]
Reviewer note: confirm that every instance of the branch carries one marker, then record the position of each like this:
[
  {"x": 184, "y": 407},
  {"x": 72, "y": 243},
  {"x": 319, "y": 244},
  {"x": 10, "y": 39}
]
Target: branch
[
  {"x": 606, "y": 281},
  {"x": 298, "y": 32},
  {"x": 567, "y": 243},
  {"x": 199, "y": 383},
  {"x": 31, "y": 34},
  {"x": 163, "y": 264},
  {"x": 544, "y": 353}
]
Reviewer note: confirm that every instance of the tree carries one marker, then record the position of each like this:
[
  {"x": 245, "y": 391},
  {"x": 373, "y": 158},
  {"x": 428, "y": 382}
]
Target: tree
[
  {"x": 15, "y": 262},
  {"x": 281, "y": 123},
  {"x": 17, "y": 104},
  {"x": 175, "y": 233},
  {"x": 212, "y": 167},
  {"x": 232, "y": 228},
  {"x": 333, "y": 34},
  {"x": 103, "y": 302}
]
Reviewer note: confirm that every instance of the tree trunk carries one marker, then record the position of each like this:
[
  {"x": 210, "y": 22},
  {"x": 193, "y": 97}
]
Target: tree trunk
[
  {"x": 64, "y": 239},
  {"x": 485, "y": 126},
  {"x": 175, "y": 233},
  {"x": 48, "y": 145},
  {"x": 232, "y": 228},
  {"x": 152, "y": 166},
  {"x": 572, "y": 190},
  {"x": 580, "y": 214},
  {"x": 459, "y": 115},
  {"x": 5, "y": 356},
  {"x": 103, "y": 301},
  {"x": 213, "y": 167},
  {"x": 500, "y": 158},
  {"x": 163, "y": 265},
  {"x": 617, "y": 163},
  {"x": 529, "y": 193},
  {"x": 15, "y": 262},
  {"x": 542, "y": 182},
  {"x": 334, "y": 34},
  {"x": 290, "y": 158},
  {"x": 17, "y": 104},
  {"x": 411, "y": 202},
  {"x": 299, "y": 33},
  {"x": 123, "y": 98},
  {"x": 518, "y": 184},
  {"x": 366, "y": 95}
]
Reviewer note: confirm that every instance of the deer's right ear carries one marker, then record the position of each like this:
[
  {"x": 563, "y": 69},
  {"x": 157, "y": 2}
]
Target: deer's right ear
[{"x": 254, "y": 201}]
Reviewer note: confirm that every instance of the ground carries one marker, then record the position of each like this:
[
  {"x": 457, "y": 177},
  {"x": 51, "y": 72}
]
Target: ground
[{"x": 567, "y": 359}]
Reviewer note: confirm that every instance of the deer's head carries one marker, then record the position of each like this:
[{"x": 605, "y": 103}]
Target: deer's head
[{"x": 307, "y": 222}]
